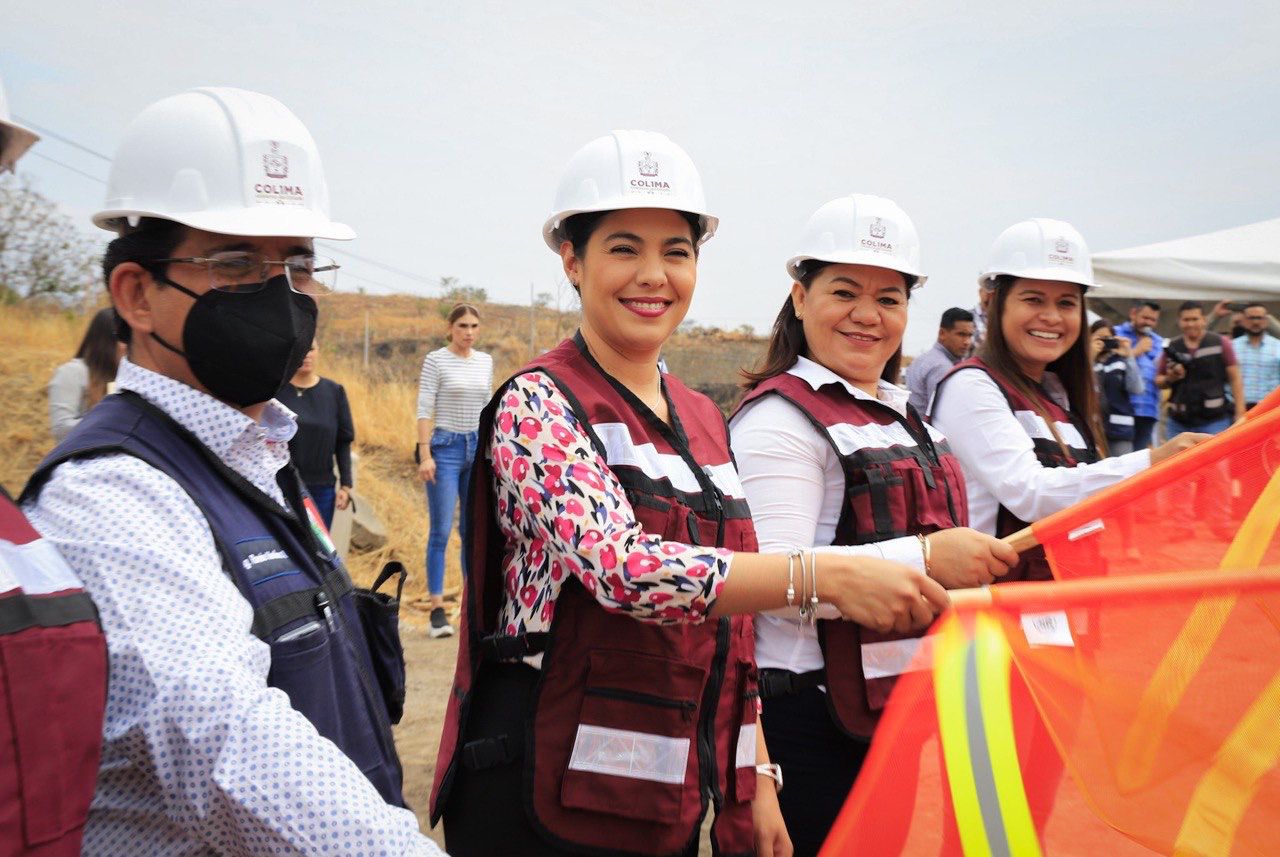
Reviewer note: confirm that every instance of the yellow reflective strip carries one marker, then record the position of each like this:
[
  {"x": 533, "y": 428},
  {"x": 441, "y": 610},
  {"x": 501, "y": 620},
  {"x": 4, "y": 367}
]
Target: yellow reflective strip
[
  {"x": 997, "y": 714},
  {"x": 948, "y": 687},
  {"x": 1187, "y": 654},
  {"x": 1227, "y": 789}
]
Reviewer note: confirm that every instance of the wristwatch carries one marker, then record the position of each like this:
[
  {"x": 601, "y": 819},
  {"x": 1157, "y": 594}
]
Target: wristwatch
[{"x": 773, "y": 772}]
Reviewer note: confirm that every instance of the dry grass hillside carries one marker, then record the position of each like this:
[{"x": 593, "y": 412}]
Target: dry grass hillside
[{"x": 383, "y": 395}]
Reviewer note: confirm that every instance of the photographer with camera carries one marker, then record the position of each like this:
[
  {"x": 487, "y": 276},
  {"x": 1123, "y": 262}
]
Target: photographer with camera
[
  {"x": 1146, "y": 347},
  {"x": 1196, "y": 368},
  {"x": 1118, "y": 378}
]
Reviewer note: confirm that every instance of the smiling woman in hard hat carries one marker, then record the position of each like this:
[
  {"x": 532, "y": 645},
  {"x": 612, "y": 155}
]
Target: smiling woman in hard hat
[
  {"x": 1022, "y": 415},
  {"x": 833, "y": 458},
  {"x": 605, "y": 696},
  {"x": 240, "y": 716}
]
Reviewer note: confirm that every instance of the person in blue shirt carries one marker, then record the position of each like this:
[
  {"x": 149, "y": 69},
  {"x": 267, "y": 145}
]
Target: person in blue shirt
[
  {"x": 1145, "y": 347},
  {"x": 1259, "y": 355},
  {"x": 955, "y": 337}
]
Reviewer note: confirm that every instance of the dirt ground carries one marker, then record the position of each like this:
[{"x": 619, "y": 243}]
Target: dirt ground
[{"x": 429, "y": 667}]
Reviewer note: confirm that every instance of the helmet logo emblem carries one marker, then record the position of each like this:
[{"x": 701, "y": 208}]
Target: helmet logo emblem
[
  {"x": 877, "y": 228},
  {"x": 274, "y": 164},
  {"x": 648, "y": 166},
  {"x": 1062, "y": 246}
]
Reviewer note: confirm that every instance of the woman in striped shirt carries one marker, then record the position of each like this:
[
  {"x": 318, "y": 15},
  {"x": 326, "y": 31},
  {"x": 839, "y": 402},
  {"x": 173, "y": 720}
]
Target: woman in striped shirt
[{"x": 453, "y": 387}]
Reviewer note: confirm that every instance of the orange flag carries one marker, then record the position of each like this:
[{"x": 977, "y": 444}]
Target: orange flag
[
  {"x": 1187, "y": 512},
  {"x": 1075, "y": 718}
]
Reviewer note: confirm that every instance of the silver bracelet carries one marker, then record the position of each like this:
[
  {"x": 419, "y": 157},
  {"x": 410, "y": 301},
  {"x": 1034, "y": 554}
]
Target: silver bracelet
[
  {"x": 791, "y": 578},
  {"x": 813, "y": 593},
  {"x": 804, "y": 601}
]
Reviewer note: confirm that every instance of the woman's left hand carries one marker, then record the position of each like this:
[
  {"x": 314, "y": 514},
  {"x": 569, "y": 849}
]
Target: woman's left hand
[
  {"x": 343, "y": 498},
  {"x": 772, "y": 839}
]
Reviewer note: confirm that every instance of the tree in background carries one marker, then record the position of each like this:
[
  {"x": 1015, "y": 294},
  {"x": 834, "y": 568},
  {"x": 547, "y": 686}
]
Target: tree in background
[
  {"x": 454, "y": 292},
  {"x": 42, "y": 252}
]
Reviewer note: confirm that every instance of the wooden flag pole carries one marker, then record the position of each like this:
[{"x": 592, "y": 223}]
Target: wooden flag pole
[{"x": 1023, "y": 540}]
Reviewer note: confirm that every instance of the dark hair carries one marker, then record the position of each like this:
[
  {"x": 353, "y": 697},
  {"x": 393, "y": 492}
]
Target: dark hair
[
  {"x": 99, "y": 349},
  {"x": 579, "y": 228},
  {"x": 787, "y": 342},
  {"x": 1074, "y": 369},
  {"x": 1251, "y": 304},
  {"x": 1188, "y": 306},
  {"x": 153, "y": 238},
  {"x": 1155, "y": 305},
  {"x": 1099, "y": 324},
  {"x": 954, "y": 315}
]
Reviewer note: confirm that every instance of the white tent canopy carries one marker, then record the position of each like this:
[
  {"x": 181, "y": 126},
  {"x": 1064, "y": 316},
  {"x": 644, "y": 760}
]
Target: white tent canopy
[{"x": 1241, "y": 264}]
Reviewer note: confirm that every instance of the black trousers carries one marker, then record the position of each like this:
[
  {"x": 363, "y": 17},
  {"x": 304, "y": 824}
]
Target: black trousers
[
  {"x": 486, "y": 814},
  {"x": 819, "y": 765}
]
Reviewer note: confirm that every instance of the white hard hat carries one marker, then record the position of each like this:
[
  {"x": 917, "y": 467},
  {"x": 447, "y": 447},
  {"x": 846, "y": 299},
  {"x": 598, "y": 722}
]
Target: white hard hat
[
  {"x": 1040, "y": 249},
  {"x": 628, "y": 169},
  {"x": 14, "y": 138},
  {"x": 861, "y": 229},
  {"x": 223, "y": 160}
]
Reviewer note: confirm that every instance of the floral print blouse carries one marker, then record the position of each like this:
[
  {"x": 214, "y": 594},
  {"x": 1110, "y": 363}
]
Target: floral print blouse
[{"x": 563, "y": 512}]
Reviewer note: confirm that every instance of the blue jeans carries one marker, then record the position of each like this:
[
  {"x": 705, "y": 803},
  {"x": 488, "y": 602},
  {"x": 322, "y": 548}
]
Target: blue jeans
[
  {"x": 453, "y": 452},
  {"x": 1206, "y": 497},
  {"x": 324, "y": 496},
  {"x": 1144, "y": 429},
  {"x": 1173, "y": 428}
]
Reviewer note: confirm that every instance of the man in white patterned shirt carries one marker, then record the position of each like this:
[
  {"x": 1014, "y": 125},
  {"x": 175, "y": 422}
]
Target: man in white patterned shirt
[{"x": 243, "y": 716}]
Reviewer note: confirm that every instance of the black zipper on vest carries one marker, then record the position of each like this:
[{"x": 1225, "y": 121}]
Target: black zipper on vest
[
  {"x": 710, "y": 713},
  {"x": 687, "y": 707}
]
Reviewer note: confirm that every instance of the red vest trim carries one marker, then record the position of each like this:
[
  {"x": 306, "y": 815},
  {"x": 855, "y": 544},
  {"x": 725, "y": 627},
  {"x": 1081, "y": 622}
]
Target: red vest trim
[
  {"x": 1075, "y": 434},
  {"x": 900, "y": 479},
  {"x": 53, "y": 692},
  {"x": 679, "y": 699}
]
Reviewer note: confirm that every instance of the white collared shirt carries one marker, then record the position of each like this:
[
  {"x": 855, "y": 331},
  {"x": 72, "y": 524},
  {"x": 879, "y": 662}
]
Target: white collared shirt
[
  {"x": 999, "y": 460},
  {"x": 200, "y": 756},
  {"x": 794, "y": 483}
]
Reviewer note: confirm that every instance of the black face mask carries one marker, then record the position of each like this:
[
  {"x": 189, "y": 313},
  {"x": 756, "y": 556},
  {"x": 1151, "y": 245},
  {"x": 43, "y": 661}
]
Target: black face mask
[{"x": 245, "y": 347}]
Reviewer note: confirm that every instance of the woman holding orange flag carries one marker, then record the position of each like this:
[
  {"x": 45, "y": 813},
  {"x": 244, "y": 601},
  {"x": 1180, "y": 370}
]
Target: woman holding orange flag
[
  {"x": 833, "y": 459},
  {"x": 1023, "y": 415},
  {"x": 605, "y": 696}
]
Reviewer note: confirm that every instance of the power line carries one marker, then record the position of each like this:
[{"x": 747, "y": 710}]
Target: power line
[
  {"x": 55, "y": 135},
  {"x": 417, "y": 278},
  {"x": 76, "y": 170}
]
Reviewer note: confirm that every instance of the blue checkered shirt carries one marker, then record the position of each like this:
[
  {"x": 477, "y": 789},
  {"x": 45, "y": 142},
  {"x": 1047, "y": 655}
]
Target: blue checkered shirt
[{"x": 1259, "y": 366}]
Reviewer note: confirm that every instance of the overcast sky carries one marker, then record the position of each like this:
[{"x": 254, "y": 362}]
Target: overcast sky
[{"x": 444, "y": 127}]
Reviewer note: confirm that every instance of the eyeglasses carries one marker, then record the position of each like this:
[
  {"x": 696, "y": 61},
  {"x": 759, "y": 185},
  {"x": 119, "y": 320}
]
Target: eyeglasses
[{"x": 244, "y": 273}]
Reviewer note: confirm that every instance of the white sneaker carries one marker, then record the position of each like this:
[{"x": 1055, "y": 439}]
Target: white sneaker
[{"x": 440, "y": 626}]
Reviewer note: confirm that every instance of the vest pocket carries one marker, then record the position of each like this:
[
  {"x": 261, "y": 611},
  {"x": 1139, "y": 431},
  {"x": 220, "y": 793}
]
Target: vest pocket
[
  {"x": 876, "y": 502},
  {"x": 307, "y": 667},
  {"x": 635, "y": 751}
]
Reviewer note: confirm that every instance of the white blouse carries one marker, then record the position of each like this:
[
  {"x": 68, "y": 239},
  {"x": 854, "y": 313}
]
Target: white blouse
[
  {"x": 999, "y": 461},
  {"x": 794, "y": 484}
]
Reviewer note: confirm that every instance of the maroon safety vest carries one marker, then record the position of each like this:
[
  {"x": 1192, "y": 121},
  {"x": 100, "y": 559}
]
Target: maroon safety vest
[
  {"x": 1074, "y": 432},
  {"x": 636, "y": 726},
  {"x": 53, "y": 690},
  {"x": 900, "y": 479}
]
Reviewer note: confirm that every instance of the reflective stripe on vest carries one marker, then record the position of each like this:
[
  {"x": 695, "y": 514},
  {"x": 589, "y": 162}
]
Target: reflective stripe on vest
[
  {"x": 975, "y": 721},
  {"x": 622, "y": 451}
]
